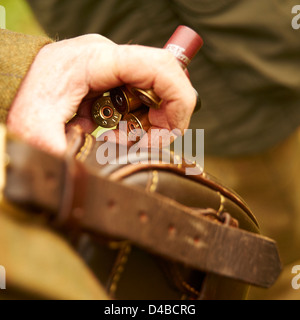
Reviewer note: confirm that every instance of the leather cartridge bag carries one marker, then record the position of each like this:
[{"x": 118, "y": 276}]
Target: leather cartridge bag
[{"x": 145, "y": 230}]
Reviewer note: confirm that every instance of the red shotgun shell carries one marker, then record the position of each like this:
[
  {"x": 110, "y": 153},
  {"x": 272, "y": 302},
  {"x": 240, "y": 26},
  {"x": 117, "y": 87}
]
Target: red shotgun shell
[{"x": 184, "y": 45}]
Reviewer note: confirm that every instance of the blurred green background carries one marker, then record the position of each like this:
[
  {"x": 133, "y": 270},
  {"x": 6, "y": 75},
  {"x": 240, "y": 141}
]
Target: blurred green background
[{"x": 19, "y": 17}]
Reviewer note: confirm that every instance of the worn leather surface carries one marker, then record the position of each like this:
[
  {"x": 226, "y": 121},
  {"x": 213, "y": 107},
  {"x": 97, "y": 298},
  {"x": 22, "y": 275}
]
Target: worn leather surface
[{"x": 144, "y": 224}]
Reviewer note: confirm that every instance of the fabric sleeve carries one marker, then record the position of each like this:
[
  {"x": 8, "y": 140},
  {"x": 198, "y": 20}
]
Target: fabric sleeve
[{"x": 17, "y": 52}]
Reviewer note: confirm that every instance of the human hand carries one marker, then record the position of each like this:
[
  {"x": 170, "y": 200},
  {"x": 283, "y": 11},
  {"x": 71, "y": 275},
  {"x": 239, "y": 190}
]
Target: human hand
[{"x": 65, "y": 77}]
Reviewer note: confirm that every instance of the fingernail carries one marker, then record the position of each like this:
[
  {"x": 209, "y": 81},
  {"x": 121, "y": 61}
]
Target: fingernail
[{"x": 198, "y": 101}]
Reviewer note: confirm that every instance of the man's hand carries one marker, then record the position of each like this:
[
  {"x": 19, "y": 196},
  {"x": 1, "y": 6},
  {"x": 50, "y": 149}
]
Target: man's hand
[{"x": 66, "y": 76}]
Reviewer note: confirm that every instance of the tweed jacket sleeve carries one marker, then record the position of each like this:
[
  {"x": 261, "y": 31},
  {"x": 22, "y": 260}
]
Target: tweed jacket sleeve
[{"x": 17, "y": 52}]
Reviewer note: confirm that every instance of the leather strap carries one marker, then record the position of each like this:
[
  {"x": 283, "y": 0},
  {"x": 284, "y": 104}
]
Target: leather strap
[{"x": 78, "y": 196}]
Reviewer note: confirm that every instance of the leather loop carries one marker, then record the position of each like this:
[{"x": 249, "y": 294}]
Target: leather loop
[{"x": 83, "y": 198}]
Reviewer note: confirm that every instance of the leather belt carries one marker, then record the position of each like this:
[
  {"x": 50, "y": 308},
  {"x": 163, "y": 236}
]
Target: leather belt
[{"x": 79, "y": 197}]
